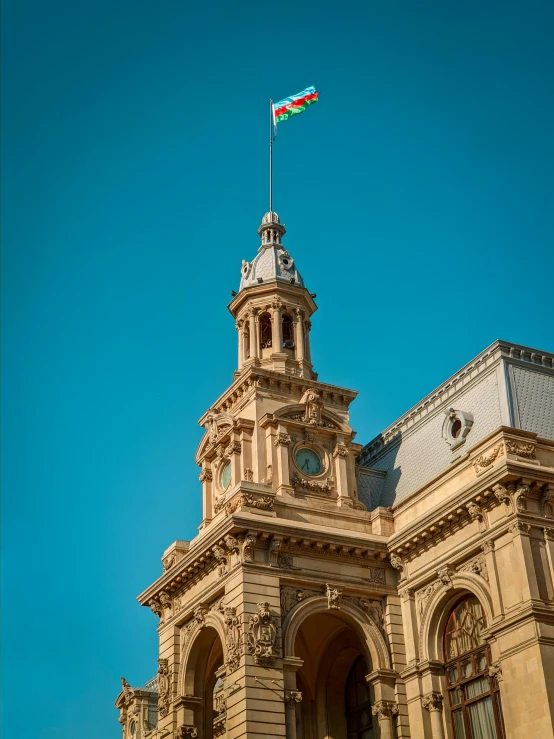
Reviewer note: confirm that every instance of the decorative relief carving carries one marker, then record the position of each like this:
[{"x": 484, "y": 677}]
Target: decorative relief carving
[
  {"x": 527, "y": 451},
  {"x": 233, "y": 447},
  {"x": 495, "y": 671},
  {"x": 263, "y": 502},
  {"x": 247, "y": 547},
  {"x": 384, "y": 710},
  {"x": 376, "y": 575},
  {"x": 423, "y": 597},
  {"x": 206, "y": 475},
  {"x": 483, "y": 462},
  {"x": 128, "y": 692},
  {"x": 476, "y": 513},
  {"x": 231, "y": 544},
  {"x": 547, "y": 502},
  {"x": 282, "y": 440},
  {"x": 334, "y": 597},
  {"x": 291, "y": 596},
  {"x": 200, "y": 613},
  {"x": 156, "y": 607},
  {"x": 311, "y": 486},
  {"x": 488, "y": 546},
  {"x": 432, "y": 702},
  {"x": 519, "y": 528},
  {"x": 520, "y": 497},
  {"x": 262, "y": 639},
  {"x": 221, "y": 556},
  {"x": 476, "y": 565},
  {"x": 312, "y": 400},
  {"x": 164, "y": 687},
  {"x": 398, "y": 564},
  {"x": 186, "y": 731},
  {"x": 292, "y": 697},
  {"x": 502, "y": 495},
  {"x": 169, "y": 561},
  {"x": 445, "y": 576},
  {"x": 248, "y": 475},
  {"x": 373, "y": 608},
  {"x": 548, "y": 533},
  {"x": 233, "y": 639},
  {"x": 274, "y": 550},
  {"x": 340, "y": 450},
  {"x": 285, "y": 561}
]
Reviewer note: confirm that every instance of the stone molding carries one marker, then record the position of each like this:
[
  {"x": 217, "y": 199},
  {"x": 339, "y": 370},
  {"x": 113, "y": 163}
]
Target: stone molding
[{"x": 262, "y": 640}]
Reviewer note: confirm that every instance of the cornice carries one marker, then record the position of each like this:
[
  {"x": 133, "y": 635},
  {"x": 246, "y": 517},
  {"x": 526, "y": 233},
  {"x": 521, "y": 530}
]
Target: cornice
[
  {"x": 253, "y": 292},
  {"x": 487, "y": 359}
]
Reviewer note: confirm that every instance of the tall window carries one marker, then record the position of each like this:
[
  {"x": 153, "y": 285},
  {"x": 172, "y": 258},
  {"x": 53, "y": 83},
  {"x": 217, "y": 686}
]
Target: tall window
[
  {"x": 358, "y": 702},
  {"x": 288, "y": 332},
  {"x": 473, "y": 696}
]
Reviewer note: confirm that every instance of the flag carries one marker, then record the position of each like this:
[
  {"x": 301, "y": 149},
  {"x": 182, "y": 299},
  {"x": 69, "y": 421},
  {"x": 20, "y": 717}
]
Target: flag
[{"x": 295, "y": 104}]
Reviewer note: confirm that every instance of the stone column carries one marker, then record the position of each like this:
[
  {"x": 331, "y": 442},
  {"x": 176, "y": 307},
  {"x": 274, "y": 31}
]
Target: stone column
[
  {"x": 299, "y": 338},
  {"x": 276, "y": 328},
  {"x": 254, "y": 336},
  {"x": 282, "y": 443},
  {"x": 307, "y": 351},
  {"x": 409, "y": 620},
  {"x": 293, "y": 697},
  {"x": 522, "y": 545},
  {"x": 549, "y": 543},
  {"x": 257, "y": 333},
  {"x": 433, "y": 703},
  {"x": 340, "y": 455},
  {"x": 496, "y": 595},
  {"x": 385, "y": 710},
  {"x": 206, "y": 478},
  {"x": 238, "y": 326}
]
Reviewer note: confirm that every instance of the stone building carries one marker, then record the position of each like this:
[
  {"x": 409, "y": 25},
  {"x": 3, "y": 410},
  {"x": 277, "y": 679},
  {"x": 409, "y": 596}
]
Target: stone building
[{"x": 404, "y": 588}]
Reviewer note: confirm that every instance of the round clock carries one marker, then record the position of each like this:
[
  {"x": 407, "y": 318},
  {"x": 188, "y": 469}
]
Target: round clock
[
  {"x": 308, "y": 461},
  {"x": 225, "y": 476}
]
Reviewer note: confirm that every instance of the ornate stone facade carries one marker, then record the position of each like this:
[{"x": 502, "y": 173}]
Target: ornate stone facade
[{"x": 295, "y": 590}]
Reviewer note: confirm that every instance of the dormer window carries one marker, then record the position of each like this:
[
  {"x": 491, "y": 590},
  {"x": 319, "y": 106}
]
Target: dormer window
[{"x": 456, "y": 427}]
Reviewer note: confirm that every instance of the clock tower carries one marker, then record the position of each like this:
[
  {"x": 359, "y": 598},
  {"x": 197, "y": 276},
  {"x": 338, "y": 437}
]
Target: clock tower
[{"x": 289, "y": 574}]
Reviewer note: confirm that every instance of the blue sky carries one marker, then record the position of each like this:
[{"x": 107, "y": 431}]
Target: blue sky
[{"x": 418, "y": 201}]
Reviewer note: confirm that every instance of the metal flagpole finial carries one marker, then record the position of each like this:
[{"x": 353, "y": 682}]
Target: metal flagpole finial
[{"x": 270, "y": 155}]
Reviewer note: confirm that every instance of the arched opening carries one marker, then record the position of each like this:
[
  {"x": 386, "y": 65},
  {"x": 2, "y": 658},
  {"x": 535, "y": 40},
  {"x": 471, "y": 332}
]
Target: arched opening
[
  {"x": 473, "y": 699},
  {"x": 246, "y": 345},
  {"x": 287, "y": 326},
  {"x": 265, "y": 332},
  {"x": 336, "y": 699},
  {"x": 205, "y": 680}
]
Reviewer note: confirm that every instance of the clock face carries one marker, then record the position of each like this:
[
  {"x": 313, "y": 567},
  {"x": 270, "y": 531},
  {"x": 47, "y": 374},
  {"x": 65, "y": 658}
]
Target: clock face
[
  {"x": 308, "y": 461},
  {"x": 225, "y": 475}
]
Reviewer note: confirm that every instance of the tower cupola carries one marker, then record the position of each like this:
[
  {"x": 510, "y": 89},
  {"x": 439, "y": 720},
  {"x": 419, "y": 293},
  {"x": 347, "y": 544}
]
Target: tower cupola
[{"x": 273, "y": 308}]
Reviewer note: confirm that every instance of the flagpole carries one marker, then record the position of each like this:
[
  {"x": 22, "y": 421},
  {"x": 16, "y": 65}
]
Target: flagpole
[{"x": 271, "y": 156}]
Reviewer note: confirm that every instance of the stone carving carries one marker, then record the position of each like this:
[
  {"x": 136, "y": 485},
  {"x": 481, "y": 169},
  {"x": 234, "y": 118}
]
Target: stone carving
[
  {"x": 186, "y": 731},
  {"x": 216, "y": 423},
  {"x": 502, "y": 495},
  {"x": 221, "y": 556},
  {"x": 233, "y": 639},
  {"x": 476, "y": 513},
  {"x": 169, "y": 561},
  {"x": 312, "y": 400},
  {"x": 384, "y": 710},
  {"x": 164, "y": 687},
  {"x": 445, "y": 577},
  {"x": 231, "y": 544},
  {"x": 432, "y": 702},
  {"x": 274, "y": 550},
  {"x": 340, "y": 450},
  {"x": 263, "y": 502},
  {"x": 219, "y": 724},
  {"x": 398, "y": 564},
  {"x": 477, "y": 565},
  {"x": 291, "y": 596},
  {"x": 376, "y": 575},
  {"x": 219, "y": 504},
  {"x": 548, "y": 533},
  {"x": 165, "y": 600},
  {"x": 527, "y": 451},
  {"x": 495, "y": 671},
  {"x": 247, "y": 547},
  {"x": 407, "y": 594},
  {"x": 373, "y": 608},
  {"x": 334, "y": 597},
  {"x": 285, "y": 561},
  {"x": 520, "y": 497},
  {"x": 262, "y": 639},
  {"x": 519, "y": 528},
  {"x": 128, "y": 692},
  {"x": 206, "y": 475},
  {"x": 547, "y": 502},
  {"x": 311, "y": 486},
  {"x": 233, "y": 447},
  {"x": 488, "y": 546},
  {"x": 482, "y": 462},
  {"x": 292, "y": 697},
  {"x": 156, "y": 607},
  {"x": 200, "y": 613},
  {"x": 423, "y": 597},
  {"x": 282, "y": 440},
  {"x": 249, "y": 475}
]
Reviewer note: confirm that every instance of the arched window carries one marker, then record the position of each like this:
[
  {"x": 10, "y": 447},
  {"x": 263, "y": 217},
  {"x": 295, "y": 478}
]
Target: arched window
[
  {"x": 358, "y": 702},
  {"x": 247, "y": 341},
  {"x": 288, "y": 332},
  {"x": 265, "y": 331},
  {"x": 473, "y": 696}
]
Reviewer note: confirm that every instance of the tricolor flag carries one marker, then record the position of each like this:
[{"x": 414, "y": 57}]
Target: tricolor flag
[{"x": 295, "y": 104}]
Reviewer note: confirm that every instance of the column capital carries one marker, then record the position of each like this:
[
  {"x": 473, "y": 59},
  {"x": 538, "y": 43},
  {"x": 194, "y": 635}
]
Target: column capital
[
  {"x": 384, "y": 710},
  {"x": 432, "y": 701}
]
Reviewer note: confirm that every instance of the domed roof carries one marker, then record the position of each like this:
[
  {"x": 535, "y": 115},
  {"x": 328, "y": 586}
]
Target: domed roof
[{"x": 273, "y": 262}]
